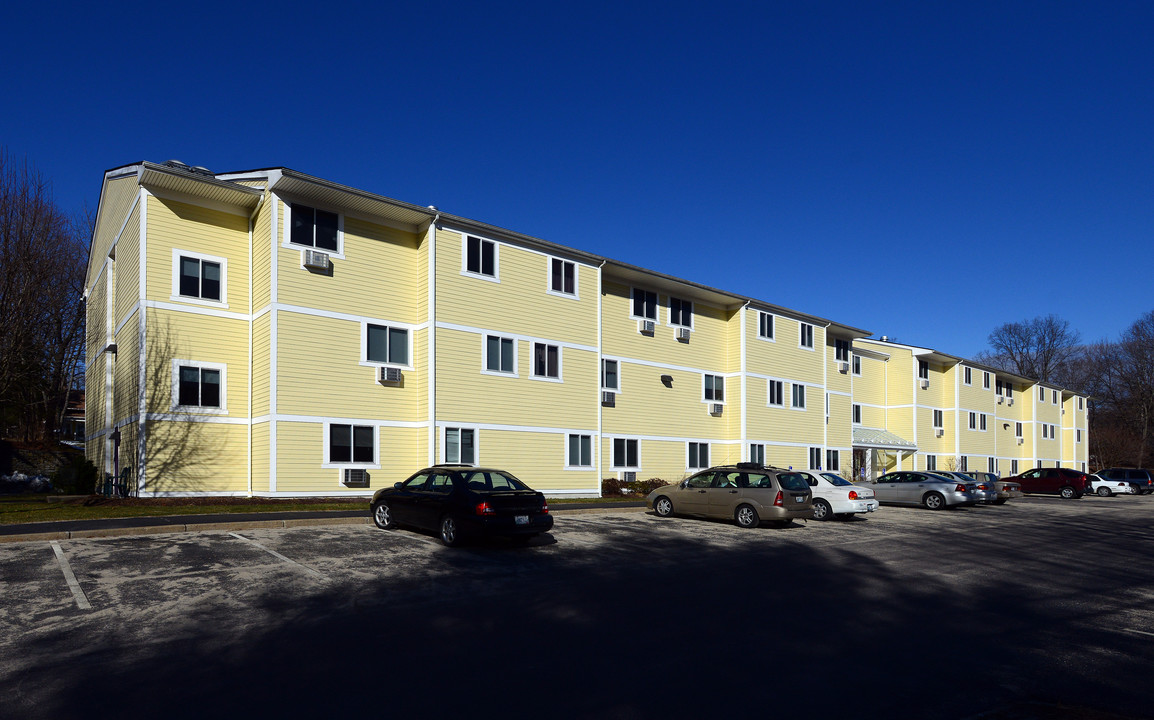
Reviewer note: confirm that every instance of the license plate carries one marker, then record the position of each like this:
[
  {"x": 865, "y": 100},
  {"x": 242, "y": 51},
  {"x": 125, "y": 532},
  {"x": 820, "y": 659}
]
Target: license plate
[
  {"x": 799, "y": 498},
  {"x": 870, "y": 508},
  {"x": 521, "y": 519}
]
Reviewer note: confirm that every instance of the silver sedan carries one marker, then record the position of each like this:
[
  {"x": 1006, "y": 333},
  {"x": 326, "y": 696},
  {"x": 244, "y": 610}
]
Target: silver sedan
[{"x": 910, "y": 487}]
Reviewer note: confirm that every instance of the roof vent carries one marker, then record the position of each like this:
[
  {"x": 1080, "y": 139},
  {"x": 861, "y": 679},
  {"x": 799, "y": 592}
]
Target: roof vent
[
  {"x": 177, "y": 164},
  {"x": 201, "y": 170}
]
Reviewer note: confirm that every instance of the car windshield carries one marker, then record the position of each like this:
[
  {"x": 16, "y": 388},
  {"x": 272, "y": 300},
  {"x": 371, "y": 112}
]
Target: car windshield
[
  {"x": 793, "y": 481},
  {"x": 492, "y": 481},
  {"x": 837, "y": 480}
]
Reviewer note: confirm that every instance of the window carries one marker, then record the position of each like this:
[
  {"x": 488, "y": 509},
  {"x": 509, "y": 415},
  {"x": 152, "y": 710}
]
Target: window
[
  {"x": 798, "y": 396},
  {"x": 805, "y": 331},
  {"x": 386, "y": 344},
  {"x": 680, "y": 312},
  {"x": 931, "y": 462},
  {"x": 460, "y": 445},
  {"x": 644, "y": 304},
  {"x": 986, "y": 380},
  {"x": 580, "y": 451},
  {"x": 998, "y": 387},
  {"x": 480, "y": 257},
  {"x": 815, "y": 458},
  {"x": 1013, "y": 467},
  {"x": 198, "y": 385},
  {"x": 991, "y": 465},
  {"x": 314, "y": 228},
  {"x": 1009, "y": 391},
  {"x": 714, "y": 388},
  {"x": 841, "y": 350},
  {"x": 698, "y": 455},
  {"x": 938, "y": 422},
  {"x": 856, "y": 365},
  {"x": 965, "y": 464},
  {"x": 857, "y": 414},
  {"x": 757, "y": 453},
  {"x": 765, "y": 326},
  {"x": 776, "y": 392},
  {"x": 973, "y": 421},
  {"x": 198, "y": 276},
  {"x": 1041, "y": 394},
  {"x": 1017, "y": 431},
  {"x": 562, "y": 276},
  {"x": 352, "y": 444},
  {"x": 982, "y": 422},
  {"x": 1078, "y": 435},
  {"x": 968, "y": 376},
  {"x": 1079, "y": 403},
  {"x": 500, "y": 355},
  {"x": 833, "y": 460},
  {"x": 546, "y": 361},
  {"x": 625, "y": 453},
  {"x": 923, "y": 370},
  {"x": 1054, "y": 397},
  {"x": 609, "y": 375}
]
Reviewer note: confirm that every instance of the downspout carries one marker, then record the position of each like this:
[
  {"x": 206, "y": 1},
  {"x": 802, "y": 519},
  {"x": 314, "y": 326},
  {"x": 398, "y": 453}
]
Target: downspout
[
  {"x": 432, "y": 339},
  {"x": 958, "y": 417},
  {"x": 600, "y": 366},
  {"x": 825, "y": 393},
  {"x": 744, "y": 452},
  {"x": 251, "y": 360}
]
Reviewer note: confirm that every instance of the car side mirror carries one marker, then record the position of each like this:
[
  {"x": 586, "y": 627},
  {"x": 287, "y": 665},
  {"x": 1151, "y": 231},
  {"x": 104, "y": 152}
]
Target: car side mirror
[{"x": 397, "y": 485}]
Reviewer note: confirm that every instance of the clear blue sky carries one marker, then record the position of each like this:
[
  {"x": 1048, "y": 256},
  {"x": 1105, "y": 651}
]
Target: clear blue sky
[{"x": 926, "y": 170}]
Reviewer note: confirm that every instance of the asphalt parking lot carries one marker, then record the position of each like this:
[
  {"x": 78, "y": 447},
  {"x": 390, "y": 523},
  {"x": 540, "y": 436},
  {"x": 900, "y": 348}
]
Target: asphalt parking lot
[{"x": 1040, "y": 606}]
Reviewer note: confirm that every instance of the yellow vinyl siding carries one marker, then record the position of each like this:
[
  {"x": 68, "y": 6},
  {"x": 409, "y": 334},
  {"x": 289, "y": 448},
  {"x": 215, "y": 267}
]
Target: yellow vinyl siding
[
  {"x": 196, "y": 457},
  {"x": 300, "y": 456},
  {"x": 127, "y": 277},
  {"x": 262, "y": 253},
  {"x": 261, "y": 364},
  {"x": 115, "y": 200},
  {"x": 538, "y": 459},
  {"x": 260, "y": 457},
  {"x": 782, "y": 357},
  {"x": 180, "y": 226},
  {"x": 126, "y": 374},
  {"x": 173, "y": 335}
]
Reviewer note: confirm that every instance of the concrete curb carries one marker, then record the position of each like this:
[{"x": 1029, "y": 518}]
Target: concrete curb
[{"x": 243, "y": 524}]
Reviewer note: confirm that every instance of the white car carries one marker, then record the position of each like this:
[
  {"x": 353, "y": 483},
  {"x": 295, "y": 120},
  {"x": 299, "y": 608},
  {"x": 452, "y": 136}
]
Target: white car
[
  {"x": 1109, "y": 488},
  {"x": 834, "y": 495}
]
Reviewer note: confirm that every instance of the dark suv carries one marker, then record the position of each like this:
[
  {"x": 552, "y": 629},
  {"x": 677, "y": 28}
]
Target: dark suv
[
  {"x": 1139, "y": 479},
  {"x": 1065, "y": 482}
]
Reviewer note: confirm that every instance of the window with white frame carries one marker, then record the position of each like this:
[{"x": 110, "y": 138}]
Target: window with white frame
[
  {"x": 798, "y": 399},
  {"x": 856, "y": 365},
  {"x": 815, "y": 458},
  {"x": 923, "y": 370},
  {"x": 973, "y": 421},
  {"x": 833, "y": 460},
  {"x": 1041, "y": 394},
  {"x": 965, "y": 464},
  {"x": 931, "y": 462},
  {"x": 1017, "y": 431},
  {"x": 968, "y": 373},
  {"x": 198, "y": 277},
  {"x": 805, "y": 335},
  {"x": 384, "y": 344},
  {"x": 500, "y": 355},
  {"x": 680, "y": 312},
  {"x": 998, "y": 387},
  {"x": 698, "y": 453},
  {"x": 480, "y": 257},
  {"x": 841, "y": 350},
  {"x": 765, "y": 326},
  {"x": 1013, "y": 467},
  {"x": 562, "y": 276},
  {"x": 352, "y": 444},
  {"x": 644, "y": 304},
  {"x": 625, "y": 455},
  {"x": 1009, "y": 391},
  {"x": 198, "y": 387},
  {"x": 609, "y": 375},
  {"x": 1054, "y": 396},
  {"x": 461, "y": 445},
  {"x": 757, "y": 453},
  {"x": 776, "y": 392},
  {"x": 546, "y": 361},
  {"x": 580, "y": 451},
  {"x": 1078, "y": 435},
  {"x": 857, "y": 414},
  {"x": 991, "y": 465},
  {"x": 982, "y": 422},
  {"x": 315, "y": 228},
  {"x": 1079, "y": 403},
  {"x": 985, "y": 380},
  {"x": 938, "y": 421},
  {"x": 714, "y": 388}
]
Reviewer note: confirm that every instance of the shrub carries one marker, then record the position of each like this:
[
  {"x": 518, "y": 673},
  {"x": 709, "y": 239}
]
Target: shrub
[
  {"x": 611, "y": 487},
  {"x": 76, "y": 477}
]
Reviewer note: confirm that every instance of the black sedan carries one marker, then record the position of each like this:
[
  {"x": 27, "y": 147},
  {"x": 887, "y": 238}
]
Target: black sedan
[{"x": 459, "y": 501}]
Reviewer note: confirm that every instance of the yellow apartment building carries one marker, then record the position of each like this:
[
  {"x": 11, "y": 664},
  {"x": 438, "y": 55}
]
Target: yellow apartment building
[{"x": 270, "y": 333}]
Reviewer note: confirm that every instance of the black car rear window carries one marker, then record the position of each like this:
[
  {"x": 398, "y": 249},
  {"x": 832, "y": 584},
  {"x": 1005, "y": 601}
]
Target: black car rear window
[
  {"x": 793, "y": 481},
  {"x": 492, "y": 481}
]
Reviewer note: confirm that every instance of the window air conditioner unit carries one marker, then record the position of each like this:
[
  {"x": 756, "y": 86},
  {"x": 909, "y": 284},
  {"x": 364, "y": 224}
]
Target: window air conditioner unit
[
  {"x": 630, "y": 476},
  {"x": 608, "y": 398},
  {"x": 1001, "y": 399},
  {"x": 315, "y": 259},
  {"x": 355, "y": 477},
  {"x": 645, "y": 327},
  {"x": 391, "y": 376},
  {"x": 1009, "y": 401},
  {"x": 716, "y": 408},
  {"x": 843, "y": 367},
  {"x": 940, "y": 432},
  {"x": 683, "y": 334},
  {"x": 1021, "y": 440},
  {"x": 925, "y": 384}
]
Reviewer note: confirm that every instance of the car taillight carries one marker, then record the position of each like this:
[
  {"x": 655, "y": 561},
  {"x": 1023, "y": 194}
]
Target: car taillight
[
  {"x": 484, "y": 508},
  {"x": 544, "y": 507},
  {"x": 1121, "y": 484},
  {"x": 853, "y": 494},
  {"x": 777, "y": 500},
  {"x": 959, "y": 488}
]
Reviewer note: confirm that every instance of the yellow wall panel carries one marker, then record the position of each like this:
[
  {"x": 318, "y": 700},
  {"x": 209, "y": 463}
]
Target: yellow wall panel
[
  {"x": 180, "y": 226},
  {"x": 196, "y": 457}
]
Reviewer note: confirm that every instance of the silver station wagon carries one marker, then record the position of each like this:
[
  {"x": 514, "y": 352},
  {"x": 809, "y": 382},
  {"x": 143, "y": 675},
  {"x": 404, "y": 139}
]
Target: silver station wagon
[
  {"x": 923, "y": 488},
  {"x": 747, "y": 493}
]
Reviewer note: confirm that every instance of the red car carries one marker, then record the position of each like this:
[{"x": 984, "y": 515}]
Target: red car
[{"x": 1065, "y": 482}]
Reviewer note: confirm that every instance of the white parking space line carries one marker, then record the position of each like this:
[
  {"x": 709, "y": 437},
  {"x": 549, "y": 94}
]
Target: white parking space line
[
  {"x": 77, "y": 592},
  {"x": 275, "y": 554},
  {"x": 412, "y": 537},
  {"x": 1140, "y": 632}
]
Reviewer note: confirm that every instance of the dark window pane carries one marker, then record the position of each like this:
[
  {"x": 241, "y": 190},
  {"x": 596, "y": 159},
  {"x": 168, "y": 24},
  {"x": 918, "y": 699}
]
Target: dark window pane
[
  {"x": 493, "y": 353},
  {"x": 569, "y": 271},
  {"x": 506, "y": 355},
  {"x": 189, "y": 392},
  {"x": 340, "y": 443},
  {"x": 468, "y": 453},
  {"x": 488, "y": 266},
  {"x": 398, "y": 346},
  {"x": 586, "y": 450},
  {"x": 210, "y": 388},
  {"x": 631, "y": 452},
  {"x": 189, "y": 277},
  {"x": 539, "y": 359},
  {"x": 574, "y": 450},
  {"x": 557, "y": 281},
  {"x": 638, "y": 303},
  {"x": 326, "y": 237},
  {"x": 552, "y": 370},
  {"x": 618, "y": 452},
  {"x": 362, "y": 443},
  {"x": 210, "y": 285},
  {"x": 378, "y": 343},
  {"x": 473, "y": 255},
  {"x": 302, "y": 225},
  {"x": 610, "y": 379}
]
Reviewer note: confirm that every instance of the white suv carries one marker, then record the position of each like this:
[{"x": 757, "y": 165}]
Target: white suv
[{"x": 834, "y": 495}]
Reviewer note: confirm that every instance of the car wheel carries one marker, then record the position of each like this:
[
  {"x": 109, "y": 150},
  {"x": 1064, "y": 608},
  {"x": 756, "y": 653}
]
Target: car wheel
[
  {"x": 663, "y": 506},
  {"x": 934, "y": 501},
  {"x": 1104, "y": 492},
  {"x": 450, "y": 532},
  {"x": 383, "y": 516},
  {"x": 821, "y": 510},
  {"x": 1067, "y": 493},
  {"x": 1000, "y": 501},
  {"x": 746, "y": 517}
]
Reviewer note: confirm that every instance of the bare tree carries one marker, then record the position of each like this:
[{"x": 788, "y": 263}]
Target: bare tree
[{"x": 1042, "y": 348}]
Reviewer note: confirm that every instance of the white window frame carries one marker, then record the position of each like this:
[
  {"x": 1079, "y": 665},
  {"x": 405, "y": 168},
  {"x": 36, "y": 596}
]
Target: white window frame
[
  {"x": 613, "y": 454},
  {"x": 856, "y": 413},
  {"x": 856, "y": 365},
  {"x": 832, "y": 460},
  {"x": 1013, "y": 467},
  {"x": 705, "y": 392},
  {"x": 669, "y": 309},
  {"x": 795, "y": 395},
  {"x": 931, "y": 463},
  {"x": 485, "y": 356},
  {"x": 769, "y": 392},
  {"x": 633, "y": 301},
  {"x": 1017, "y": 432},
  {"x": 841, "y": 350},
  {"x": 973, "y": 420},
  {"x": 689, "y": 455},
  {"x": 560, "y": 362},
  {"x": 764, "y": 319},
  {"x": 804, "y": 333},
  {"x": 445, "y": 443},
  {"x": 592, "y": 451},
  {"x": 407, "y": 365},
  {"x": 938, "y": 419},
  {"x": 815, "y": 453},
  {"x": 967, "y": 376},
  {"x": 618, "y": 373},
  {"x": 991, "y": 465},
  {"x": 549, "y": 278},
  {"x": 982, "y": 422},
  {"x": 1077, "y": 435},
  {"x": 496, "y": 276},
  {"x": 199, "y": 409},
  {"x": 1054, "y": 396},
  {"x": 177, "y": 254},
  {"x": 985, "y": 380},
  {"x": 757, "y": 453},
  {"x": 328, "y": 463},
  {"x": 286, "y": 239}
]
